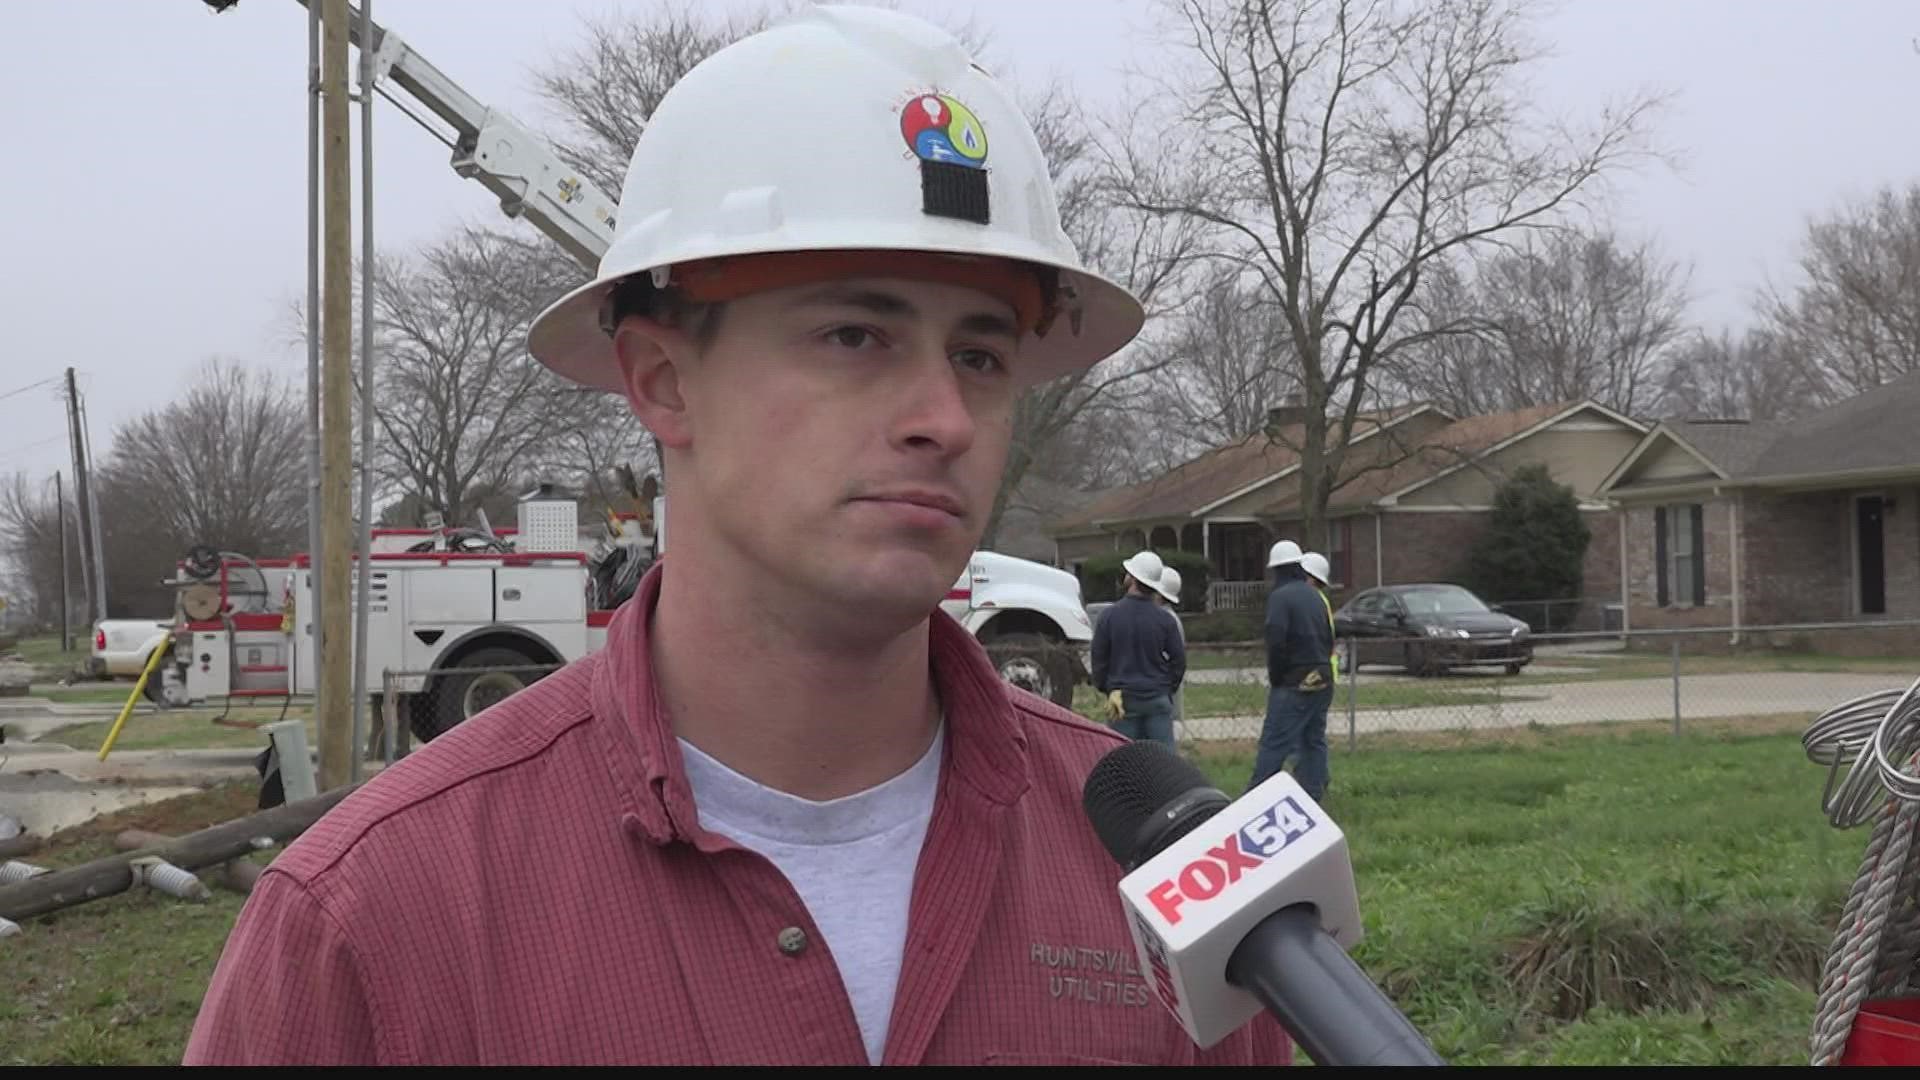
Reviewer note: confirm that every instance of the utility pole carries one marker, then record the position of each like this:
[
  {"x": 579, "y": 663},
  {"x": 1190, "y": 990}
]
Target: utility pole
[
  {"x": 86, "y": 513},
  {"x": 364, "y": 534},
  {"x": 66, "y": 624},
  {"x": 334, "y": 709}
]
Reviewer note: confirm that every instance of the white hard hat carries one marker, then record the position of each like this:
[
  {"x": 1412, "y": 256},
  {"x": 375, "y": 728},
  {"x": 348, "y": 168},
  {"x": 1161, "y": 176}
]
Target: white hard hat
[
  {"x": 1284, "y": 553},
  {"x": 838, "y": 132},
  {"x": 1170, "y": 585},
  {"x": 1315, "y": 564},
  {"x": 1145, "y": 567}
]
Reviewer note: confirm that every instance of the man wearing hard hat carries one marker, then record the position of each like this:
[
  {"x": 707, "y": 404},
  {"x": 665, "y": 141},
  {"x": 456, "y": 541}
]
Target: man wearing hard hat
[
  {"x": 1299, "y": 640},
  {"x": 790, "y": 813},
  {"x": 1139, "y": 656}
]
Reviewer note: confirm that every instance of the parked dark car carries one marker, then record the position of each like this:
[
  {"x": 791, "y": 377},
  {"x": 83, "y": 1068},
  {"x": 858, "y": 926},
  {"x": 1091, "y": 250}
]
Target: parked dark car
[{"x": 1429, "y": 628}]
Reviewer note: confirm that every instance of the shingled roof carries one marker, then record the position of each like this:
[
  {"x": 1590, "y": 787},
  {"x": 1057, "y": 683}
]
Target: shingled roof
[
  {"x": 1211, "y": 477},
  {"x": 1869, "y": 432}
]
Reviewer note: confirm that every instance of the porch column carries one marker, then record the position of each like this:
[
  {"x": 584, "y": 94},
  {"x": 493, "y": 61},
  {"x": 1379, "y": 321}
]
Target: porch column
[
  {"x": 1379, "y": 551},
  {"x": 1733, "y": 523},
  {"x": 1626, "y": 596}
]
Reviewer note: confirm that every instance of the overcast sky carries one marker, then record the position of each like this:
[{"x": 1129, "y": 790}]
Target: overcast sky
[{"x": 153, "y": 197}]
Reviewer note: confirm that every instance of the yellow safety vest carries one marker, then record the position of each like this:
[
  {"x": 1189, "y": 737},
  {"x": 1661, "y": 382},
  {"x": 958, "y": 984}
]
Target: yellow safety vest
[{"x": 1333, "y": 655}]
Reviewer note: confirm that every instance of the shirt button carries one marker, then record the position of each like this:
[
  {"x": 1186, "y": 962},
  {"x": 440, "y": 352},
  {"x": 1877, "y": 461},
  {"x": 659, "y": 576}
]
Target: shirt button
[{"x": 793, "y": 940}]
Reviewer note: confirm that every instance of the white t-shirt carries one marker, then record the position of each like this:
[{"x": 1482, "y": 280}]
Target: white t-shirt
[{"x": 852, "y": 861}]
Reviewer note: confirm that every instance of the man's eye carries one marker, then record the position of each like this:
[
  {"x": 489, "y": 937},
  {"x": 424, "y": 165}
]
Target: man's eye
[
  {"x": 851, "y": 337},
  {"x": 980, "y": 360}
]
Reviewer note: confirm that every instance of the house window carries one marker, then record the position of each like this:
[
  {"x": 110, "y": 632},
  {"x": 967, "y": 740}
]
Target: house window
[
  {"x": 1340, "y": 551},
  {"x": 1679, "y": 545}
]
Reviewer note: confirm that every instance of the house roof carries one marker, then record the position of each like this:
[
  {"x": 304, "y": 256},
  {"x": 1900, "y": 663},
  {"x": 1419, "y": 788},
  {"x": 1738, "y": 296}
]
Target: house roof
[
  {"x": 1440, "y": 453},
  {"x": 1238, "y": 468},
  {"x": 1872, "y": 432},
  {"x": 1213, "y": 477}
]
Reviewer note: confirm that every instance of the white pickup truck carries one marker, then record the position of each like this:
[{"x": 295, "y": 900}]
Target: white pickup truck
[
  {"x": 121, "y": 648},
  {"x": 1031, "y": 620}
]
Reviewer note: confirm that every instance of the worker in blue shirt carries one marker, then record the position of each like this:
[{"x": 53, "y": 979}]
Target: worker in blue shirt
[
  {"x": 1139, "y": 656},
  {"x": 1299, "y": 675}
]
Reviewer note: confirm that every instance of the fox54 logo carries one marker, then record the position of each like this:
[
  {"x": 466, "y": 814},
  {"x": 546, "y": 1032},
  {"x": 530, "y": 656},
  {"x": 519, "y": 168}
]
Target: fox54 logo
[{"x": 1260, "y": 839}]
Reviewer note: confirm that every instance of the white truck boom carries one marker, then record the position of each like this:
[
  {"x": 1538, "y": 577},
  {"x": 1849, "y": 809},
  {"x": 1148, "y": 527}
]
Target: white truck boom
[{"x": 490, "y": 146}]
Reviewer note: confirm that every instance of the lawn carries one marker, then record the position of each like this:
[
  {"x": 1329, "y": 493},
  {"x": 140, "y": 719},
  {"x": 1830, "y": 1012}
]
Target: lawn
[
  {"x": 44, "y": 653},
  {"x": 1577, "y": 898},
  {"x": 1554, "y": 897},
  {"x": 1250, "y": 698},
  {"x": 182, "y": 729}
]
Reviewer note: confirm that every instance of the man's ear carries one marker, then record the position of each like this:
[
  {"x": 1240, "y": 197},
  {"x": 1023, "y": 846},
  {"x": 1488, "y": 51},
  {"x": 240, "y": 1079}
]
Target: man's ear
[{"x": 652, "y": 357}]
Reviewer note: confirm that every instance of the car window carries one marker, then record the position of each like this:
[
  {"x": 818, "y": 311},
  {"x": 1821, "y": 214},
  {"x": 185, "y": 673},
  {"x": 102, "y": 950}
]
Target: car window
[{"x": 1442, "y": 600}]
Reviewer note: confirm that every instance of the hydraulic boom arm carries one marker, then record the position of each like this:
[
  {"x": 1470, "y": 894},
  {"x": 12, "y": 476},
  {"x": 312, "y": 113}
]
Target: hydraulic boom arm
[{"x": 491, "y": 147}]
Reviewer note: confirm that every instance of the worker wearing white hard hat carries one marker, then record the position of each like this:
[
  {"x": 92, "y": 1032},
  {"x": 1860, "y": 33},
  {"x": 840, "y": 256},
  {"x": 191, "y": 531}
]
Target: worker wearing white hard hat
[
  {"x": 1139, "y": 655},
  {"x": 1170, "y": 595},
  {"x": 838, "y": 262},
  {"x": 1320, "y": 572},
  {"x": 1299, "y": 640},
  {"x": 1283, "y": 553}
]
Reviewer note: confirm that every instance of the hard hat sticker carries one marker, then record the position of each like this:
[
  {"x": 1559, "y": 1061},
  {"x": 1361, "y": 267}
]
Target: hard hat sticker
[{"x": 940, "y": 129}]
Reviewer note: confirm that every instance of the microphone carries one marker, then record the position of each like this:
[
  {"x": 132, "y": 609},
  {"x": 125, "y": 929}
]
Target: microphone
[{"x": 1241, "y": 905}]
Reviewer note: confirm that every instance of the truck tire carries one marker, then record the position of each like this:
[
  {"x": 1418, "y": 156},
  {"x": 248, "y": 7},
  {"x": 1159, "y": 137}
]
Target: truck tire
[
  {"x": 1037, "y": 664},
  {"x": 459, "y": 695}
]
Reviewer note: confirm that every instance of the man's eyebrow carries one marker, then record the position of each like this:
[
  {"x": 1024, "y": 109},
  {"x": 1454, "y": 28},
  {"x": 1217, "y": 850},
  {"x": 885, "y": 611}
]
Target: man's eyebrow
[{"x": 881, "y": 302}]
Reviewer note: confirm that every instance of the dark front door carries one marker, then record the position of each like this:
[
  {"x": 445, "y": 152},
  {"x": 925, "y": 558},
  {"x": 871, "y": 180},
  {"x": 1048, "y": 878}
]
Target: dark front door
[{"x": 1869, "y": 512}]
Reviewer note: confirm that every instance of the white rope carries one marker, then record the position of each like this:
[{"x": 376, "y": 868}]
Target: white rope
[{"x": 1877, "y": 736}]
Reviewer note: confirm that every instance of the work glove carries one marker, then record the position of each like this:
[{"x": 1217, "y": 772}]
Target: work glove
[{"x": 1115, "y": 709}]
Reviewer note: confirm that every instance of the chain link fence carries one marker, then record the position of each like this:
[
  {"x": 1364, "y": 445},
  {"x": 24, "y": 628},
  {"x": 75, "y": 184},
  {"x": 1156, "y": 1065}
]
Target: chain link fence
[
  {"x": 1461, "y": 684},
  {"x": 1388, "y": 685},
  {"x": 417, "y": 706}
]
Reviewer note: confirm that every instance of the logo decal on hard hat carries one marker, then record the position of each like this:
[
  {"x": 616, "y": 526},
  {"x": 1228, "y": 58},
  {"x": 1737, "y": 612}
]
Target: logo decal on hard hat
[
  {"x": 939, "y": 128},
  {"x": 951, "y": 144}
]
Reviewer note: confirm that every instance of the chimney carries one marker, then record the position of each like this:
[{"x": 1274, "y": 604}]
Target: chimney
[{"x": 1286, "y": 415}]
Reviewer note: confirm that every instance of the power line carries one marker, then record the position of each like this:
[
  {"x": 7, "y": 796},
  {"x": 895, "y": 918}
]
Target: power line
[
  {"x": 30, "y": 386},
  {"x": 12, "y": 450}
]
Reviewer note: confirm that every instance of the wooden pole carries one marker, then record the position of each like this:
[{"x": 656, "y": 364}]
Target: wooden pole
[
  {"x": 334, "y": 711},
  {"x": 113, "y": 874}
]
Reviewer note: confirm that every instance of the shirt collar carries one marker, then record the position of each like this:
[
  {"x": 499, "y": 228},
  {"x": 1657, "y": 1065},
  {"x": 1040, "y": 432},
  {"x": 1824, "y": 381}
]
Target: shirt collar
[{"x": 986, "y": 745}]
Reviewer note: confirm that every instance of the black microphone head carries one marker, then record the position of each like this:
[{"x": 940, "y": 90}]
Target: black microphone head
[{"x": 1142, "y": 797}]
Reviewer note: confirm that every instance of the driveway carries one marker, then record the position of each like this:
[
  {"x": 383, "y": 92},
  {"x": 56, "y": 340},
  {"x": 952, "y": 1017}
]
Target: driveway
[{"x": 1601, "y": 701}]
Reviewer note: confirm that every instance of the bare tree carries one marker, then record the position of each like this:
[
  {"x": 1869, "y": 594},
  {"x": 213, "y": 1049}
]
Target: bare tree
[
  {"x": 1726, "y": 378},
  {"x": 1230, "y": 359},
  {"x": 1854, "y": 322},
  {"x": 1569, "y": 315},
  {"x": 459, "y": 402},
  {"x": 1334, "y": 150},
  {"x": 30, "y": 547},
  {"x": 222, "y": 465},
  {"x": 1147, "y": 255},
  {"x": 604, "y": 90}
]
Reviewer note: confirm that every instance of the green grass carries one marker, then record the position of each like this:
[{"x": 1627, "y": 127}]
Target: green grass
[
  {"x": 1570, "y": 898},
  {"x": 1250, "y": 698},
  {"x": 43, "y": 652},
  {"x": 1618, "y": 896},
  {"x": 178, "y": 730},
  {"x": 118, "y": 981},
  {"x": 115, "y": 693}
]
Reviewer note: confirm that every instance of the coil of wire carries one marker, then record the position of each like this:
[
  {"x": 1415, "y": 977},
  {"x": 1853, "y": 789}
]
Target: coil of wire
[{"x": 1875, "y": 738}]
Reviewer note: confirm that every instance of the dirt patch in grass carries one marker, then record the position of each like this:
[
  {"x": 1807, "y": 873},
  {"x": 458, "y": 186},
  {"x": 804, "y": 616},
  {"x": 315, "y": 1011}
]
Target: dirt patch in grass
[{"x": 171, "y": 817}]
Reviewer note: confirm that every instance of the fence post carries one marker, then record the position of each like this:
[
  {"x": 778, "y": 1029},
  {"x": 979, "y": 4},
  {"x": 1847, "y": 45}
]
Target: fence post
[
  {"x": 1676, "y": 686},
  {"x": 389, "y": 716},
  {"x": 1353, "y": 690}
]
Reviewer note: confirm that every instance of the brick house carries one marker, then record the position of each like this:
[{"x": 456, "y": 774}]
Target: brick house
[
  {"x": 1740, "y": 524},
  {"x": 1413, "y": 495}
]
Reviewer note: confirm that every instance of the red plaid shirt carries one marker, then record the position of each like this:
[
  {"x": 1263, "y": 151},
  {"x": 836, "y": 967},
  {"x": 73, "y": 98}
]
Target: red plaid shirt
[{"x": 535, "y": 887}]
